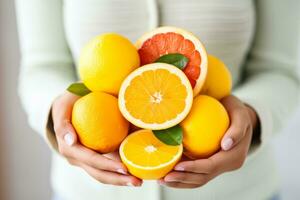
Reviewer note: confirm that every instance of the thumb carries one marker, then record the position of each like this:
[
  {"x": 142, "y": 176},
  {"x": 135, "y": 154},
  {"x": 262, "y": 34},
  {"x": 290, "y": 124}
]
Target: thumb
[
  {"x": 238, "y": 122},
  {"x": 232, "y": 136},
  {"x": 61, "y": 115},
  {"x": 65, "y": 133},
  {"x": 69, "y": 136},
  {"x": 227, "y": 142},
  {"x": 113, "y": 156}
]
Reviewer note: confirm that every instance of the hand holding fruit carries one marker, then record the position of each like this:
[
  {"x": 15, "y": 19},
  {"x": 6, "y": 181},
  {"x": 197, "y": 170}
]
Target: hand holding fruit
[
  {"x": 169, "y": 87},
  {"x": 235, "y": 145},
  {"x": 106, "y": 168}
]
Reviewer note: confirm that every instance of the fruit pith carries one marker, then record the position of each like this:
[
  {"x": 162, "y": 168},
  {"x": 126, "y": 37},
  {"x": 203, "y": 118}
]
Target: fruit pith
[{"x": 169, "y": 40}]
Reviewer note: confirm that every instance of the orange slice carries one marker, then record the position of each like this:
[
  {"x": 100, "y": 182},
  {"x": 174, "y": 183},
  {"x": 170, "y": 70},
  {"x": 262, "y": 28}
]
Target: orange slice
[
  {"x": 146, "y": 157},
  {"x": 155, "y": 96},
  {"x": 166, "y": 40}
]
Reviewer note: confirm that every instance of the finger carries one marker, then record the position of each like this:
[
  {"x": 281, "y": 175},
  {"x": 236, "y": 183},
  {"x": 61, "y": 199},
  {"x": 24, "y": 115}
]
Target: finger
[
  {"x": 62, "y": 107},
  {"x": 239, "y": 122},
  {"x": 231, "y": 102},
  {"x": 234, "y": 134},
  {"x": 177, "y": 184},
  {"x": 73, "y": 162},
  {"x": 95, "y": 159},
  {"x": 219, "y": 162},
  {"x": 111, "y": 177},
  {"x": 66, "y": 137},
  {"x": 185, "y": 177},
  {"x": 113, "y": 156},
  {"x": 201, "y": 166},
  {"x": 61, "y": 114},
  {"x": 234, "y": 159},
  {"x": 66, "y": 134}
]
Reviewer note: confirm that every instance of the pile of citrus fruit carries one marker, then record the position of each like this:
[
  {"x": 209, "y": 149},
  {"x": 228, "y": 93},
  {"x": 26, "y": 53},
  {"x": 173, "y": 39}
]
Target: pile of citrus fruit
[{"x": 165, "y": 87}]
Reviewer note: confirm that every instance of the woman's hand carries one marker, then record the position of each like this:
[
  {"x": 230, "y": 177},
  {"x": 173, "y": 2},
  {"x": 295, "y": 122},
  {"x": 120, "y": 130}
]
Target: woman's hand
[
  {"x": 235, "y": 145},
  {"x": 106, "y": 168}
]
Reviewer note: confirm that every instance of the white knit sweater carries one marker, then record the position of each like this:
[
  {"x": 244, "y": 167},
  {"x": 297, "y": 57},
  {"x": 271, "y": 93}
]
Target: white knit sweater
[{"x": 257, "y": 39}]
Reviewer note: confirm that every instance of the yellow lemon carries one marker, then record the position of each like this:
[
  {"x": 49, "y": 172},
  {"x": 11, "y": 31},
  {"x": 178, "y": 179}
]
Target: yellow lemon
[
  {"x": 156, "y": 96},
  {"x": 218, "y": 81},
  {"x": 106, "y": 61},
  {"x": 98, "y": 122},
  {"x": 146, "y": 157},
  {"x": 204, "y": 127}
]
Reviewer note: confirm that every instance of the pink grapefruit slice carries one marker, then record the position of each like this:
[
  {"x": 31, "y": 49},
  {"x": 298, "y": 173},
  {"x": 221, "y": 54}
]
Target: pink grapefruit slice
[{"x": 169, "y": 40}]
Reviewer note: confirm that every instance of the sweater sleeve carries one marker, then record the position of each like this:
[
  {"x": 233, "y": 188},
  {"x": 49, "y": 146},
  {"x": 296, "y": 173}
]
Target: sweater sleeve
[
  {"x": 271, "y": 78},
  {"x": 46, "y": 64}
]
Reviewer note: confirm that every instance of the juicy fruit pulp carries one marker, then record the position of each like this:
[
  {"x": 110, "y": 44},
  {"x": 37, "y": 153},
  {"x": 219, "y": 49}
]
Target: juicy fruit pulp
[
  {"x": 105, "y": 62},
  {"x": 204, "y": 127},
  {"x": 218, "y": 81},
  {"x": 98, "y": 122},
  {"x": 155, "y": 96},
  {"x": 168, "y": 40},
  {"x": 165, "y": 43},
  {"x": 146, "y": 157}
]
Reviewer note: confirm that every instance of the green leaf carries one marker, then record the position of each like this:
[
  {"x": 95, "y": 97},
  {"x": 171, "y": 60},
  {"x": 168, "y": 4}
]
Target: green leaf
[
  {"x": 79, "y": 89},
  {"x": 175, "y": 59},
  {"x": 171, "y": 136}
]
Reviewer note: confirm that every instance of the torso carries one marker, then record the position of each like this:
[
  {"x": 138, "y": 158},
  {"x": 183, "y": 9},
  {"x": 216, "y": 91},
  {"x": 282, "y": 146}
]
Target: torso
[{"x": 224, "y": 26}]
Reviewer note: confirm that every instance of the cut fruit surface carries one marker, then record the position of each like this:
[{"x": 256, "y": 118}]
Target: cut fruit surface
[
  {"x": 167, "y": 40},
  {"x": 147, "y": 157},
  {"x": 155, "y": 96}
]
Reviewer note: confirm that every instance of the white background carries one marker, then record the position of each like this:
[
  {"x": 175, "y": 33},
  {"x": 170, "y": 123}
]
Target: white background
[{"x": 25, "y": 158}]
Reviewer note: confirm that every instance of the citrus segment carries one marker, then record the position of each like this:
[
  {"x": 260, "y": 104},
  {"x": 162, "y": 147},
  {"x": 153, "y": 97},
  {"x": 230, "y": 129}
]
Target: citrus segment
[
  {"x": 146, "y": 157},
  {"x": 167, "y": 40},
  {"x": 155, "y": 96}
]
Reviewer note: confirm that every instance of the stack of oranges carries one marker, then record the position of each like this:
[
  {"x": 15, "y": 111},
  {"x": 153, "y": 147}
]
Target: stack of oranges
[{"x": 165, "y": 86}]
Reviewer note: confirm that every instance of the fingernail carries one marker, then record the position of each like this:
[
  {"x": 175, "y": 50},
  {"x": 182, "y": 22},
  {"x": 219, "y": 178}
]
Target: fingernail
[
  {"x": 227, "y": 144},
  {"x": 179, "y": 168},
  {"x": 129, "y": 184},
  {"x": 69, "y": 139},
  {"x": 122, "y": 171}
]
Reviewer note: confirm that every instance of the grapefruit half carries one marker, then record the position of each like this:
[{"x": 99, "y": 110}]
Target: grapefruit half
[{"x": 169, "y": 40}]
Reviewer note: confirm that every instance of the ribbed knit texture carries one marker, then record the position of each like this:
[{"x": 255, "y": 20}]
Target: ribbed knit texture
[{"x": 259, "y": 42}]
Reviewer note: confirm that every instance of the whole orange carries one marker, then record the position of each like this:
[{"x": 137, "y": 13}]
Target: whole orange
[
  {"x": 99, "y": 123},
  {"x": 204, "y": 127},
  {"x": 218, "y": 81}
]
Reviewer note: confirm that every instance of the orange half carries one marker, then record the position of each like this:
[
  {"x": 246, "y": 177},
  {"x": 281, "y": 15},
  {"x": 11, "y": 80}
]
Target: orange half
[
  {"x": 155, "y": 96},
  {"x": 146, "y": 157}
]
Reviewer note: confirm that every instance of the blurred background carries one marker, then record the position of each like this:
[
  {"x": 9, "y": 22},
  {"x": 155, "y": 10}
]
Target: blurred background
[{"x": 25, "y": 158}]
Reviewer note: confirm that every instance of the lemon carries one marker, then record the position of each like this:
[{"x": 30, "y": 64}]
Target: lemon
[
  {"x": 98, "y": 122},
  {"x": 146, "y": 157},
  {"x": 204, "y": 127},
  {"x": 105, "y": 62},
  {"x": 218, "y": 81}
]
